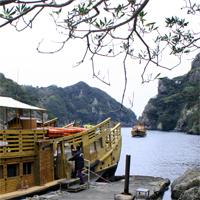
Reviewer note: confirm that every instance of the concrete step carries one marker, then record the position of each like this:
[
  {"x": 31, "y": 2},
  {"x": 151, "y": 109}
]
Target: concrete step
[{"x": 77, "y": 187}]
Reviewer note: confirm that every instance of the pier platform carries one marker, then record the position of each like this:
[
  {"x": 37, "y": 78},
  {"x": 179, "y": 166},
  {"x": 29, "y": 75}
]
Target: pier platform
[{"x": 155, "y": 186}]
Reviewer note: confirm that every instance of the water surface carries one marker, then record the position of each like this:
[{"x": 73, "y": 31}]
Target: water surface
[{"x": 163, "y": 154}]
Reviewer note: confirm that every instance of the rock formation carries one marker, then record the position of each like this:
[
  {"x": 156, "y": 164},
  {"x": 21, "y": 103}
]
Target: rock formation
[
  {"x": 177, "y": 104},
  {"x": 187, "y": 186}
]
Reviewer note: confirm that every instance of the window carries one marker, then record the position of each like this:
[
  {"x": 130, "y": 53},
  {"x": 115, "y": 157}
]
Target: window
[
  {"x": 27, "y": 168},
  {"x": 12, "y": 170},
  {"x": 1, "y": 171}
]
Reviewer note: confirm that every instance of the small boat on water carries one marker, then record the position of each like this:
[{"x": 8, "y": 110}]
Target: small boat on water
[
  {"x": 34, "y": 154},
  {"x": 138, "y": 130}
]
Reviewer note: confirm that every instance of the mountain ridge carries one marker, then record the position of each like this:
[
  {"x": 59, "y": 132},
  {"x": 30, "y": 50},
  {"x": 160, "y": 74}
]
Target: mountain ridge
[{"x": 78, "y": 102}]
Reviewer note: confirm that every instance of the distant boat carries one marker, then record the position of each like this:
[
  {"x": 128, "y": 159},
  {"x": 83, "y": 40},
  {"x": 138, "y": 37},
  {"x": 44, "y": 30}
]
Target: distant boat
[{"x": 138, "y": 130}]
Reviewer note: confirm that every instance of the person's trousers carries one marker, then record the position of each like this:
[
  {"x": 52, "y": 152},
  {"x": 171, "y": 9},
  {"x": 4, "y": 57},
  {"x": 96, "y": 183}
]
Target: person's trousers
[{"x": 80, "y": 175}]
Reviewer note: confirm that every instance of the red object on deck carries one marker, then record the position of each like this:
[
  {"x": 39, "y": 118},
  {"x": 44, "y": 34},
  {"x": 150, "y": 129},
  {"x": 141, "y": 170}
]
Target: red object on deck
[{"x": 60, "y": 132}]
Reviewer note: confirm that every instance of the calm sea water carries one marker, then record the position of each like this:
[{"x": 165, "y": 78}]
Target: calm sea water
[{"x": 163, "y": 154}]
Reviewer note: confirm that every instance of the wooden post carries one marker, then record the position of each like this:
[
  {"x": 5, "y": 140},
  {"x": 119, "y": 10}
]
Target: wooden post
[
  {"x": 127, "y": 174},
  {"x": 37, "y": 164},
  {"x": 63, "y": 160},
  {"x": 125, "y": 195}
]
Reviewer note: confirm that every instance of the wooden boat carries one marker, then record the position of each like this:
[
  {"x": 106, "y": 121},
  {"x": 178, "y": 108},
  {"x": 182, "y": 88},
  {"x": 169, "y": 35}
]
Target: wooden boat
[
  {"x": 32, "y": 159},
  {"x": 138, "y": 130}
]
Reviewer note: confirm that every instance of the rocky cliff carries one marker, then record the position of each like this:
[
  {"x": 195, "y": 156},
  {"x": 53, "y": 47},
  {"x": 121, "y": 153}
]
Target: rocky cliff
[
  {"x": 177, "y": 104},
  {"x": 78, "y": 102}
]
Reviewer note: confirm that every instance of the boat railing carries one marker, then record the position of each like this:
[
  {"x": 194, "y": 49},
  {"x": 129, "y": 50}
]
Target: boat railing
[
  {"x": 51, "y": 122},
  {"x": 91, "y": 134},
  {"x": 102, "y": 130},
  {"x": 14, "y": 143},
  {"x": 115, "y": 134},
  {"x": 101, "y": 136}
]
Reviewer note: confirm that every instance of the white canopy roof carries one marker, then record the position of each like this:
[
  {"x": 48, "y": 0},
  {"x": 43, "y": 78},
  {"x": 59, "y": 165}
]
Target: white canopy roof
[{"x": 9, "y": 102}]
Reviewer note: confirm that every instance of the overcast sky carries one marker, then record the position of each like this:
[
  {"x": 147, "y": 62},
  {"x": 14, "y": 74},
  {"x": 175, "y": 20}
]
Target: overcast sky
[{"x": 21, "y": 62}]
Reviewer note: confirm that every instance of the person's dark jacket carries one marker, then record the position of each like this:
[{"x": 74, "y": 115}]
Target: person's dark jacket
[{"x": 79, "y": 160}]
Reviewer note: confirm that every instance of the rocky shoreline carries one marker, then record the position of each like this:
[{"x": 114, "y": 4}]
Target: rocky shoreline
[{"x": 187, "y": 186}]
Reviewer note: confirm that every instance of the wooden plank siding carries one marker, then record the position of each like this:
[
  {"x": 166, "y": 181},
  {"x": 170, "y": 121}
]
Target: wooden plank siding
[
  {"x": 20, "y": 180},
  {"x": 19, "y": 148},
  {"x": 20, "y": 142},
  {"x": 44, "y": 168}
]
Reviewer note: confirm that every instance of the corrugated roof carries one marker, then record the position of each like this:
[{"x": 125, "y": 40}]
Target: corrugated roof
[{"x": 9, "y": 102}]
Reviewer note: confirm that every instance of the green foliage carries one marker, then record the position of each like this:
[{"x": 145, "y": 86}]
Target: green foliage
[
  {"x": 178, "y": 38},
  {"x": 74, "y": 103},
  {"x": 119, "y": 11},
  {"x": 168, "y": 123},
  {"x": 21, "y": 8},
  {"x": 173, "y": 21},
  {"x": 103, "y": 23},
  {"x": 193, "y": 121},
  {"x": 108, "y": 26},
  {"x": 11, "y": 12},
  {"x": 83, "y": 9},
  {"x": 142, "y": 15}
]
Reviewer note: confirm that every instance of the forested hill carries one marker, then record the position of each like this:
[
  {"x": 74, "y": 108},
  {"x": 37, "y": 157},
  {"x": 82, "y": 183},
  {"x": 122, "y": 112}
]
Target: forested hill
[
  {"x": 78, "y": 102},
  {"x": 177, "y": 105}
]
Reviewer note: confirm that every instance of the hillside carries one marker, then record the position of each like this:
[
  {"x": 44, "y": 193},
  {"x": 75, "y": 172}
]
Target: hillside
[
  {"x": 78, "y": 102},
  {"x": 177, "y": 105}
]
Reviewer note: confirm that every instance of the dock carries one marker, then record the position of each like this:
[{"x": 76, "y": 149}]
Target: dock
[{"x": 154, "y": 186}]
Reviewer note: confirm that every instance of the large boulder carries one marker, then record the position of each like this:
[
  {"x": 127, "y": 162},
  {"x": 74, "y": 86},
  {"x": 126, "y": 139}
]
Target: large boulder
[
  {"x": 191, "y": 194},
  {"x": 187, "y": 186}
]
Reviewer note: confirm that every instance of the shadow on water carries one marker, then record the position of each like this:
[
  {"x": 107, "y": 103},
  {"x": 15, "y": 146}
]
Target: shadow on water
[{"x": 163, "y": 154}]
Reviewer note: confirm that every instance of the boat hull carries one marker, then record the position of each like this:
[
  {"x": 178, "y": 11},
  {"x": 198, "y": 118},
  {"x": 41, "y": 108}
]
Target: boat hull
[
  {"x": 108, "y": 174},
  {"x": 138, "y": 133}
]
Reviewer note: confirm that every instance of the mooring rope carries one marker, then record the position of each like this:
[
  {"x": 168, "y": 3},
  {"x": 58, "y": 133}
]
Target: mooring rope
[{"x": 99, "y": 176}]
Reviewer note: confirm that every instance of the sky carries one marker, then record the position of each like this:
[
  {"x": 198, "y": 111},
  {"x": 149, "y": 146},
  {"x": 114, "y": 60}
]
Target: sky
[{"x": 23, "y": 64}]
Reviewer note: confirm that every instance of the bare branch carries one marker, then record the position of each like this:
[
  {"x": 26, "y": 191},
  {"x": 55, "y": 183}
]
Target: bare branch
[
  {"x": 109, "y": 28},
  {"x": 4, "y": 2}
]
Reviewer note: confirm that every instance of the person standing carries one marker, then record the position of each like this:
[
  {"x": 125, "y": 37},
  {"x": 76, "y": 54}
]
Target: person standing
[{"x": 79, "y": 163}]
